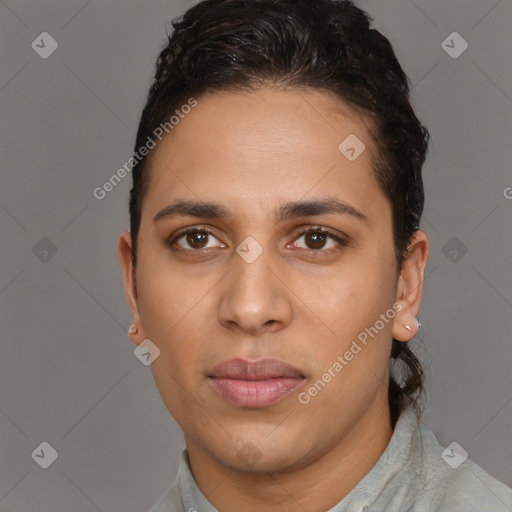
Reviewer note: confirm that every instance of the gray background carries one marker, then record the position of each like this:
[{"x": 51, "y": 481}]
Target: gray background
[{"x": 68, "y": 375}]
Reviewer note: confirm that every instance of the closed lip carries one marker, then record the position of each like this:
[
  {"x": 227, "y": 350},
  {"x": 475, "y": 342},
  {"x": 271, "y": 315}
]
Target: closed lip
[
  {"x": 262, "y": 369},
  {"x": 255, "y": 384}
]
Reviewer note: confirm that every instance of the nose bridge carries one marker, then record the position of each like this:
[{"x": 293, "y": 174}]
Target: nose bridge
[
  {"x": 254, "y": 298},
  {"x": 253, "y": 279},
  {"x": 252, "y": 276}
]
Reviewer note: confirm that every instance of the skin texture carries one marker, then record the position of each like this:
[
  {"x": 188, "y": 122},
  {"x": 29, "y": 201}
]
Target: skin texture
[{"x": 302, "y": 301}]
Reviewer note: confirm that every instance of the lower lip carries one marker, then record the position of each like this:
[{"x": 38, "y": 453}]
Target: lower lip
[{"x": 255, "y": 393}]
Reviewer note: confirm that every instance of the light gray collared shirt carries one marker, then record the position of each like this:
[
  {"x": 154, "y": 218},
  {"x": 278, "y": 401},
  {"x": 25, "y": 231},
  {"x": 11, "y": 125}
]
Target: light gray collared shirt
[{"x": 413, "y": 474}]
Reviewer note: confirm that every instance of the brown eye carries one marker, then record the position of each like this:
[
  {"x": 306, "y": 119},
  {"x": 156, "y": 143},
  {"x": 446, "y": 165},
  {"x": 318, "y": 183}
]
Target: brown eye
[
  {"x": 194, "y": 239},
  {"x": 197, "y": 239},
  {"x": 315, "y": 239},
  {"x": 320, "y": 240}
]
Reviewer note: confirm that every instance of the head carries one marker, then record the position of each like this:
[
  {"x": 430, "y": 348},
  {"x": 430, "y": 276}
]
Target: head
[{"x": 258, "y": 106}]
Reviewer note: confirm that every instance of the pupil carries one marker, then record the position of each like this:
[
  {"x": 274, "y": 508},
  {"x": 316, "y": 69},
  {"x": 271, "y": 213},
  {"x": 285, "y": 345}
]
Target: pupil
[
  {"x": 196, "y": 239},
  {"x": 318, "y": 239}
]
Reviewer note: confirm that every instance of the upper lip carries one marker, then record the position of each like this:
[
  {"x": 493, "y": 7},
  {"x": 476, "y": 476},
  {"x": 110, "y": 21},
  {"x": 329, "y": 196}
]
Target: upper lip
[{"x": 261, "y": 369}]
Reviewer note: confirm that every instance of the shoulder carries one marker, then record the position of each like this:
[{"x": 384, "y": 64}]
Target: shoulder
[
  {"x": 170, "y": 501},
  {"x": 453, "y": 483}
]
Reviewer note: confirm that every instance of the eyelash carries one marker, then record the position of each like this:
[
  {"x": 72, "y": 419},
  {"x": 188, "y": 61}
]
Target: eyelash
[{"x": 313, "y": 229}]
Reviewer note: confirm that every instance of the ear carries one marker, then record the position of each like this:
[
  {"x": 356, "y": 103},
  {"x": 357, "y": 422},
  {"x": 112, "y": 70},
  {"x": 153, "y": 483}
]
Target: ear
[
  {"x": 124, "y": 251},
  {"x": 410, "y": 287}
]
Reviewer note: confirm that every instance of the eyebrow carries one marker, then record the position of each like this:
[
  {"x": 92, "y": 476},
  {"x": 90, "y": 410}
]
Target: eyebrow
[{"x": 290, "y": 210}]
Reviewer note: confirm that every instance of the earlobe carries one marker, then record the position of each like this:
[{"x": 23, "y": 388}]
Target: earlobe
[
  {"x": 133, "y": 334},
  {"x": 404, "y": 331}
]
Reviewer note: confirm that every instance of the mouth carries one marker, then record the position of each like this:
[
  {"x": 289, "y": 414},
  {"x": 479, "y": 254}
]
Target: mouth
[{"x": 255, "y": 384}]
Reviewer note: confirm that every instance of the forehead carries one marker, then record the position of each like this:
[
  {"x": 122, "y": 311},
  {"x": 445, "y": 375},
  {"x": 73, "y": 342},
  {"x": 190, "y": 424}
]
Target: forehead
[{"x": 268, "y": 144}]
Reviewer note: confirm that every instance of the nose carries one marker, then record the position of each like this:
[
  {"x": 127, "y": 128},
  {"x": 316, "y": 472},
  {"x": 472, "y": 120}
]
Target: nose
[{"x": 255, "y": 297}]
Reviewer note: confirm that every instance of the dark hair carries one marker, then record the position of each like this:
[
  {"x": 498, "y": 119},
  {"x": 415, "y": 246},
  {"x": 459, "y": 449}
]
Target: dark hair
[{"x": 229, "y": 45}]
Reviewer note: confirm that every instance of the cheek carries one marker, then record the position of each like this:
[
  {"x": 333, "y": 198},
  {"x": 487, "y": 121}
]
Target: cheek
[
  {"x": 350, "y": 304},
  {"x": 174, "y": 309},
  {"x": 179, "y": 397},
  {"x": 354, "y": 296},
  {"x": 167, "y": 301}
]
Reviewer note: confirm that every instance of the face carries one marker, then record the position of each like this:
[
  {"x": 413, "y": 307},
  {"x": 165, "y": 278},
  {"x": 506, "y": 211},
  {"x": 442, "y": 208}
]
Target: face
[{"x": 289, "y": 267}]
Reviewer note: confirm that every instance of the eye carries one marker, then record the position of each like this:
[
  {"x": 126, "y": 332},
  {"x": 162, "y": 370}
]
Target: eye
[
  {"x": 320, "y": 239},
  {"x": 194, "y": 238},
  {"x": 315, "y": 238}
]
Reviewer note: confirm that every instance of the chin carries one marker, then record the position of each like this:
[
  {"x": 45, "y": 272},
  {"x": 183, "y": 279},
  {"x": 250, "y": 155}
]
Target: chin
[
  {"x": 260, "y": 460},
  {"x": 257, "y": 453}
]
